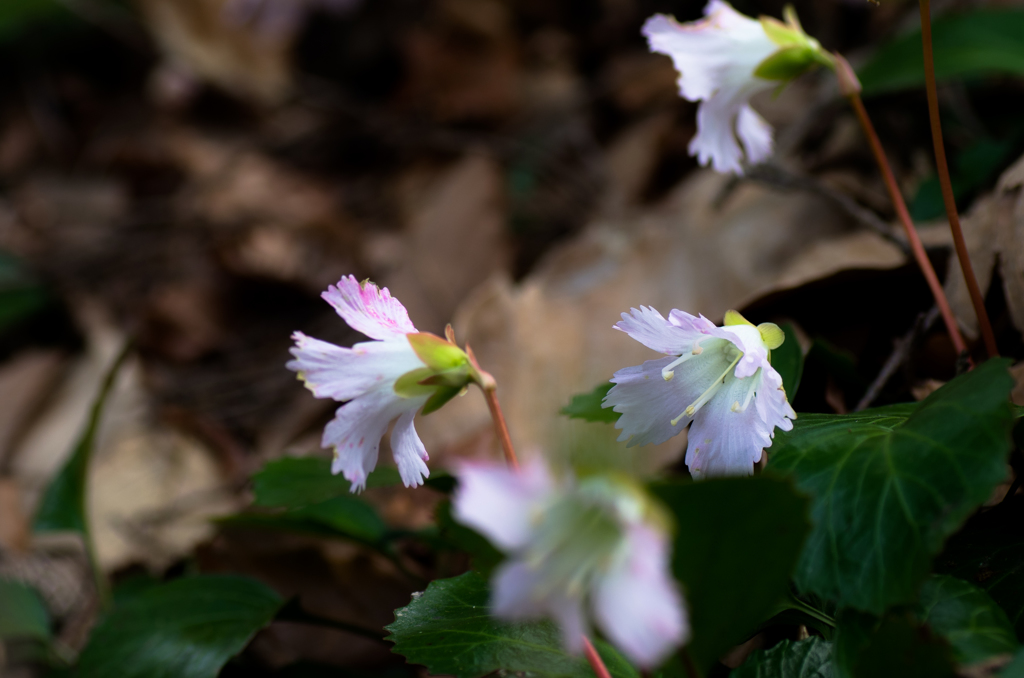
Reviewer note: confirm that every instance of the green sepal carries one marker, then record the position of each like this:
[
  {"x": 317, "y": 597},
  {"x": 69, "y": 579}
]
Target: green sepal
[
  {"x": 410, "y": 384},
  {"x": 790, "y": 62},
  {"x": 456, "y": 377},
  {"x": 438, "y": 354},
  {"x": 787, "y": 34},
  {"x": 441, "y": 396}
]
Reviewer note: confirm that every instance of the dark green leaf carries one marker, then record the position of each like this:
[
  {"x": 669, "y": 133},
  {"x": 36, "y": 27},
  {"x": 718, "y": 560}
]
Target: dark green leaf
[
  {"x": 967, "y": 618},
  {"x": 343, "y": 516},
  {"x": 484, "y": 556},
  {"x": 63, "y": 505},
  {"x": 868, "y": 647},
  {"x": 966, "y": 45},
  {"x": 188, "y": 628},
  {"x": 810, "y": 658},
  {"x": 973, "y": 168},
  {"x": 22, "y": 612},
  {"x": 18, "y": 14},
  {"x": 293, "y": 482},
  {"x": 1015, "y": 669},
  {"x": 788, "y": 361},
  {"x": 890, "y": 485},
  {"x": 737, "y": 540},
  {"x": 447, "y": 629},
  {"x": 587, "y": 406}
]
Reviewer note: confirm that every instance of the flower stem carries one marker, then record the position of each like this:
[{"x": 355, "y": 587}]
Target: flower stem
[
  {"x": 595, "y": 660},
  {"x": 501, "y": 428},
  {"x": 977, "y": 300},
  {"x": 904, "y": 216}
]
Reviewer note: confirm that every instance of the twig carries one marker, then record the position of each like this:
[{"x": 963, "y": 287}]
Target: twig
[
  {"x": 595, "y": 660},
  {"x": 948, "y": 199},
  {"x": 900, "y": 353},
  {"x": 773, "y": 175}
]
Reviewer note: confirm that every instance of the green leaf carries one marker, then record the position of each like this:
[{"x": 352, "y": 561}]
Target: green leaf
[
  {"x": 587, "y": 406},
  {"x": 293, "y": 482},
  {"x": 966, "y": 45},
  {"x": 18, "y": 14},
  {"x": 63, "y": 506},
  {"x": 890, "y": 485},
  {"x": 188, "y": 628},
  {"x": 447, "y": 629},
  {"x": 22, "y": 613},
  {"x": 992, "y": 556},
  {"x": 737, "y": 541},
  {"x": 484, "y": 556},
  {"x": 809, "y": 658},
  {"x": 967, "y": 618},
  {"x": 1015, "y": 669},
  {"x": 344, "y": 516},
  {"x": 788, "y": 361},
  {"x": 868, "y": 647}
]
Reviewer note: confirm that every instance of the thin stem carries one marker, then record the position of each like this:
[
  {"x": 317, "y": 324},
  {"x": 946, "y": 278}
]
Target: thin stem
[
  {"x": 501, "y": 428},
  {"x": 908, "y": 225},
  {"x": 691, "y": 666},
  {"x": 595, "y": 660},
  {"x": 977, "y": 300}
]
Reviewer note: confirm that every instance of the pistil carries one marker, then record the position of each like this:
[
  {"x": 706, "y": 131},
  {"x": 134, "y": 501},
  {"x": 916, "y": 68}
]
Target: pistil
[{"x": 709, "y": 393}]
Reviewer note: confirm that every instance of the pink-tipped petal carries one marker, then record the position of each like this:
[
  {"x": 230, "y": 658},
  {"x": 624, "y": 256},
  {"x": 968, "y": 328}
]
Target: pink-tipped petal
[
  {"x": 368, "y": 309},
  {"x": 648, "y": 327},
  {"x": 408, "y": 450},
  {"x": 357, "y": 428},
  {"x": 500, "y": 503},
  {"x": 637, "y": 604},
  {"x": 331, "y": 371},
  {"x": 518, "y": 594},
  {"x": 756, "y": 135},
  {"x": 748, "y": 340}
]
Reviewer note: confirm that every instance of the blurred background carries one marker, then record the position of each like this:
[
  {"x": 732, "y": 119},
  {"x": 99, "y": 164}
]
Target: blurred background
[{"x": 191, "y": 174}]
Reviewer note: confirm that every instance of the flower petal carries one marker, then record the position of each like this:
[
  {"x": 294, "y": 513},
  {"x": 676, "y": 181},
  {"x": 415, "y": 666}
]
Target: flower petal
[
  {"x": 747, "y": 339},
  {"x": 501, "y": 503},
  {"x": 357, "y": 428},
  {"x": 756, "y": 135},
  {"x": 331, "y": 371},
  {"x": 648, "y": 403},
  {"x": 725, "y": 442},
  {"x": 517, "y": 594},
  {"x": 673, "y": 337},
  {"x": 637, "y": 604},
  {"x": 772, "y": 404},
  {"x": 368, "y": 309},
  {"x": 408, "y": 450}
]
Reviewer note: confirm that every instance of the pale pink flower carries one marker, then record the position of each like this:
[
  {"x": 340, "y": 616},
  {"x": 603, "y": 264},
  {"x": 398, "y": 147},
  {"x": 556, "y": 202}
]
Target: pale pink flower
[
  {"x": 596, "y": 548},
  {"x": 380, "y": 380},
  {"x": 721, "y": 62},
  {"x": 718, "y": 378}
]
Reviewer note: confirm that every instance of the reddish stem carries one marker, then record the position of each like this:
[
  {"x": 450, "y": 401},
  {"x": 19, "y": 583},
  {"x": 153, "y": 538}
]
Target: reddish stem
[
  {"x": 501, "y": 428},
  {"x": 595, "y": 660},
  {"x": 908, "y": 225},
  {"x": 977, "y": 300}
]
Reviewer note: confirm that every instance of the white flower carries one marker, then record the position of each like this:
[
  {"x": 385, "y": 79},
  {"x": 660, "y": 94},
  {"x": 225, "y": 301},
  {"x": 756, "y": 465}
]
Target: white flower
[
  {"x": 719, "y": 378},
  {"x": 597, "y": 544},
  {"x": 383, "y": 380},
  {"x": 723, "y": 60}
]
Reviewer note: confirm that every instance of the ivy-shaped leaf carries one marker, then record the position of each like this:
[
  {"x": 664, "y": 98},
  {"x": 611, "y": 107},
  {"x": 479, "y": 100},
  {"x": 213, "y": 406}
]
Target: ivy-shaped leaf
[
  {"x": 448, "y": 630},
  {"x": 975, "y": 627},
  {"x": 890, "y": 485},
  {"x": 188, "y": 628},
  {"x": 895, "y": 645},
  {"x": 808, "y": 658}
]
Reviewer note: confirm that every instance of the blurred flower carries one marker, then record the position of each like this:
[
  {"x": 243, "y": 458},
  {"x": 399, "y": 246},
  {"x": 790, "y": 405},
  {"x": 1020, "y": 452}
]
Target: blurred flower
[
  {"x": 598, "y": 543},
  {"x": 720, "y": 378},
  {"x": 279, "y": 17},
  {"x": 383, "y": 380},
  {"x": 725, "y": 59}
]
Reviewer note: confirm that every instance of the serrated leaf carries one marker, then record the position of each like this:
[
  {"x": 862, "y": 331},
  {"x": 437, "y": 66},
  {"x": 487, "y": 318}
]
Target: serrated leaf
[
  {"x": 969, "y": 620},
  {"x": 448, "y": 630},
  {"x": 343, "y": 516},
  {"x": 809, "y": 658},
  {"x": 188, "y": 628},
  {"x": 587, "y": 406},
  {"x": 890, "y": 485},
  {"x": 294, "y": 482},
  {"x": 896, "y": 645},
  {"x": 22, "y": 613},
  {"x": 737, "y": 541},
  {"x": 966, "y": 45},
  {"x": 63, "y": 505},
  {"x": 788, "y": 361}
]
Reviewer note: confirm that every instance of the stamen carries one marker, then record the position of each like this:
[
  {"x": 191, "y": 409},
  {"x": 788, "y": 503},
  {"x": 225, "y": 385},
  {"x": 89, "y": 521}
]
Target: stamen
[
  {"x": 667, "y": 371},
  {"x": 708, "y": 394}
]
